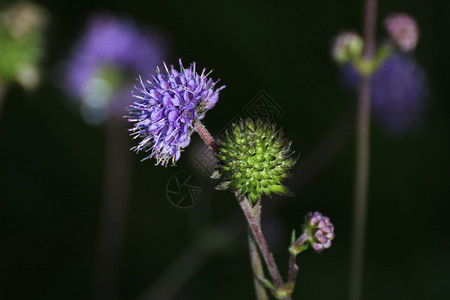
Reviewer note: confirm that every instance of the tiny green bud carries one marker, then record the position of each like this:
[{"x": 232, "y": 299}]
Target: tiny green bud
[{"x": 347, "y": 46}]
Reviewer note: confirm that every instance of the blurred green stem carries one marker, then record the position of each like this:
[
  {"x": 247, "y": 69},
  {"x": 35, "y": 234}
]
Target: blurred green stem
[
  {"x": 255, "y": 258},
  {"x": 362, "y": 157},
  {"x": 113, "y": 210},
  {"x": 2, "y": 94}
]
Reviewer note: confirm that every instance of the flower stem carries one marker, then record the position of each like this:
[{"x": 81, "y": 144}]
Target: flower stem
[
  {"x": 253, "y": 220},
  {"x": 293, "y": 267},
  {"x": 261, "y": 242},
  {"x": 114, "y": 211},
  {"x": 255, "y": 258},
  {"x": 2, "y": 94},
  {"x": 362, "y": 156},
  {"x": 205, "y": 135}
]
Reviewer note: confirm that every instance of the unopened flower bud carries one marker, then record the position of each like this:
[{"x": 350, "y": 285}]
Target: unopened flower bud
[
  {"x": 403, "y": 30},
  {"x": 320, "y": 231},
  {"x": 347, "y": 46}
]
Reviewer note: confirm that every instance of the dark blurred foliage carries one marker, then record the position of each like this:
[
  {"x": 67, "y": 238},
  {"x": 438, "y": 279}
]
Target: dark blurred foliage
[{"x": 52, "y": 164}]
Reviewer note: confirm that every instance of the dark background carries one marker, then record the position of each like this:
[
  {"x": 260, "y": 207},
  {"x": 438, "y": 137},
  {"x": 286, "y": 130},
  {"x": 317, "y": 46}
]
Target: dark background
[{"x": 52, "y": 163}]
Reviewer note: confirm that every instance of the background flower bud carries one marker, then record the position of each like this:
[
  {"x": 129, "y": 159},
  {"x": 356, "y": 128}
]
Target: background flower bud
[
  {"x": 347, "y": 46},
  {"x": 403, "y": 30}
]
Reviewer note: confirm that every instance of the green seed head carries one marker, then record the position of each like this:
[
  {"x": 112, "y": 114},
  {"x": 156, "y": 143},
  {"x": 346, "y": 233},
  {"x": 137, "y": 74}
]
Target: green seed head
[{"x": 253, "y": 160}]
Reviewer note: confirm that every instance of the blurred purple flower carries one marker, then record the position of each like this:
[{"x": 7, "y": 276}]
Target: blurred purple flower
[
  {"x": 167, "y": 108},
  {"x": 110, "y": 53},
  {"x": 398, "y": 91},
  {"x": 403, "y": 30}
]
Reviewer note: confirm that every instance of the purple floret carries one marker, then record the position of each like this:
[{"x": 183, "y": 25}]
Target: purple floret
[{"x": 166, "y": 109}]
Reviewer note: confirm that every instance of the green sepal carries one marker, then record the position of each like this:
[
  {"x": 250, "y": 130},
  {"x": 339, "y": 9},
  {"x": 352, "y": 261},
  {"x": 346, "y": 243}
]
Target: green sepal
[
  {"x": 293, "y": 238},
  {"x": 298, "y": 249},
  {"x": 269, "y": 285},
  {"x": 281, "y": 190},
  {"x": 254, "y": 197},
  {"x": 223, "y": 186},
  {"x": 216, "y": 175}
]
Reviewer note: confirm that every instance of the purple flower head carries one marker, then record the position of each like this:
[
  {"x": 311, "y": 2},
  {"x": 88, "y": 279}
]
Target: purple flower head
[
  {"x": 320, "y": 231},
  {"x": 110, "y": 51},
  {"x": 166, "y": 109},
  {"x": 398, "y": 90},
  {"x": 403, "y": 30}
]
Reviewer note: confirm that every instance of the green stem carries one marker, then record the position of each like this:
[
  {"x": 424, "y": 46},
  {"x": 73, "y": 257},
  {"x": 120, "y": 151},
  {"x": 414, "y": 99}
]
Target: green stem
[
  {"x": 362, "y": 156},
  {"x": 114, "y": 211},
  {"x": 255, "y": 258},
  {"x": 2, "y": 94},
  {"x": 293, "y": 267}
]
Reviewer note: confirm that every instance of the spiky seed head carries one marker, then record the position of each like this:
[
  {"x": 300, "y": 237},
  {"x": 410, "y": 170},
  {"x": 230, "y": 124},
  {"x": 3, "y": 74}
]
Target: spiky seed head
[{"x": 254, "y": 158}]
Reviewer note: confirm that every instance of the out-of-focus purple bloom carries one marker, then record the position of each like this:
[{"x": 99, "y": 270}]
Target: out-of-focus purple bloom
[
  {"x": 167, "y": 108},
  {"x": 398, "y": 90},
  {"x": 403, "y": 30},
  {"x": 320, "y": 231},
  {"x": 110, "y": 51}
]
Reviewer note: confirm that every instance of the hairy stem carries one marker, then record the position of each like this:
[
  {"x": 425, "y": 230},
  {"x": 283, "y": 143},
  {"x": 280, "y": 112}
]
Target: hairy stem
[
  {"x": 261, "y": 242},
  {"x": 293, "y": 267},
  {"x": 362, "y": 156},
  {"x": 255, "y": 258},
  {"x": 205, "y": 135}
]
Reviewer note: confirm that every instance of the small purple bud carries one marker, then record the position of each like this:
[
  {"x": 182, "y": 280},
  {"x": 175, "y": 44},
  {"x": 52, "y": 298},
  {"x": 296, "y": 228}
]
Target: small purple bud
[
  {"x": 403, "y": 30},
  {"x": 320, "y": 230}
]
